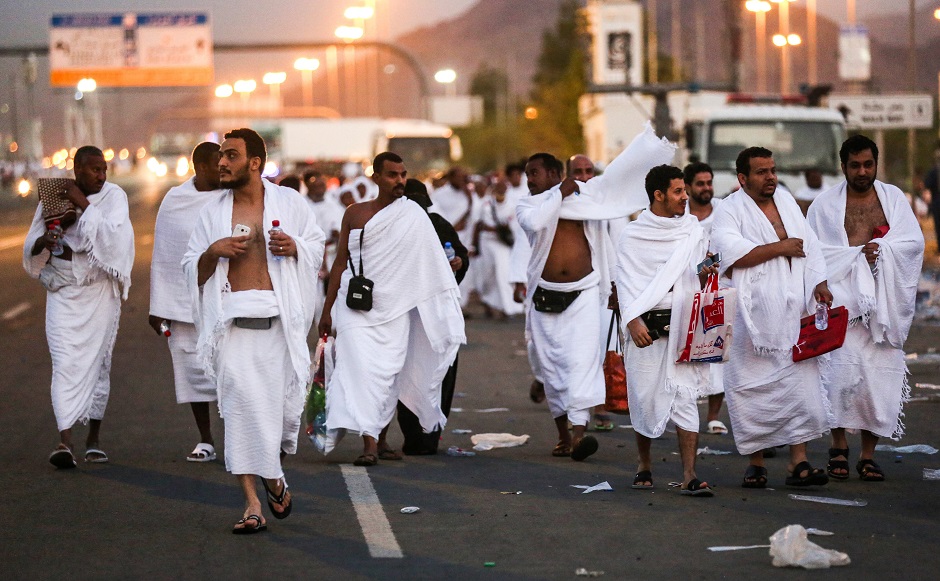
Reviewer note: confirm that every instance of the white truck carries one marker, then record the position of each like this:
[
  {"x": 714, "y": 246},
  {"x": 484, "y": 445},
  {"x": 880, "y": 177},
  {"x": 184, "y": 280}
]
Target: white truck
[{"x": 426, "y": 147}]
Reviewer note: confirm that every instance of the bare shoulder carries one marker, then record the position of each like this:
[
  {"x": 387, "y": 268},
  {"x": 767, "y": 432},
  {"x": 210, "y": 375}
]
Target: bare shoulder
[{"x": 358, "y": 214}]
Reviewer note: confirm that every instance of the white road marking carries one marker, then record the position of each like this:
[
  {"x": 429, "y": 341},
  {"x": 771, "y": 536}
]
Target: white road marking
[
  {"x": 12, "y": 242},
  {"x": 15, "y": 312},
  {"x": 371, "y": 515}
]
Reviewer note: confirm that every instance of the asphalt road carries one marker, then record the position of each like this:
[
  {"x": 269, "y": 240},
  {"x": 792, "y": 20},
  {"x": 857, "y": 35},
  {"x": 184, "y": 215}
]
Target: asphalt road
[{"x": 151, "y": 514}]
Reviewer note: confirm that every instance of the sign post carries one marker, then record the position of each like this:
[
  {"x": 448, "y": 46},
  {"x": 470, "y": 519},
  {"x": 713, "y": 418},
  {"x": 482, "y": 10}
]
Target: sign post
[{"x": 131, "y": 49}]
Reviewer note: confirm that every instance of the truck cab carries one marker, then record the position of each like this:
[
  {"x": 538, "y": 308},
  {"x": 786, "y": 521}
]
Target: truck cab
[{"x": 800, "y": 137}]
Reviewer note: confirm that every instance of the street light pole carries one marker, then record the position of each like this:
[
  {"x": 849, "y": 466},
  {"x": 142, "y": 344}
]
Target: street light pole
[
  {"x": 811, "y": 38},
  {"x": 912, "y": 74}
]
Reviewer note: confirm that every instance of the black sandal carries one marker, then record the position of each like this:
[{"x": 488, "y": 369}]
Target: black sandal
[
  {"x": 246, "y": 530},
  {"x": 869, "y": 471},
  {"x": 697, "y": 488},
  {"x": 755, "y": 477},
  {"x": 838, "y": 464},
  {"x": 814, "y": 476},
  {"x": 279, "y": 500},
  {"x": 641, "y": 477}
]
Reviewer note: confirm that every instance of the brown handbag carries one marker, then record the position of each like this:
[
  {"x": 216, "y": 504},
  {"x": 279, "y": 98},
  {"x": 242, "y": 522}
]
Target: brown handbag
[
  {"x": 615, "y": 374},
  {"x": 54, "y": 206}
]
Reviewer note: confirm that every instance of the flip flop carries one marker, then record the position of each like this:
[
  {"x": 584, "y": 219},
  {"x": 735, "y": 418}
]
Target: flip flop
[
  {"x": 278, "y": 499},
  {"x": 755, "y": 477},
  {"x": 697, "y": 488},
  {"x": 62, "y": 458},
  {"x": 717, "y": 428},
  {"x": 603, "y": 423},
  {"x": 586, "y": 447},
  {"x": 642, "y": 476},
  {"x": 102, "y": 458},
  {"x": 561, "y": 450},
  {"x": 246, "y": 530},
  {"x": 814, "y": 477},
  {"x": 366, "y": 460},
  {"x": 389, "y": 454},
  {"x": 202, "y": 453}
]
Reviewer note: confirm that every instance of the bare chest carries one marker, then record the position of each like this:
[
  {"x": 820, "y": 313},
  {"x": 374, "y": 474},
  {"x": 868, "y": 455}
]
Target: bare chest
[
  {"x": 861, "y": 218},
  {"x": 776, "y": 222},
  {"x": 250, "y": 270}
]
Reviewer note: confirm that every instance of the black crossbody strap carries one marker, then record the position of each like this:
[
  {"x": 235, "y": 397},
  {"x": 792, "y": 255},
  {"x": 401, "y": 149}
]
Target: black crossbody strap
[
  {"x": 614, "y": 319},
  {"x": 349, "y": 257}
]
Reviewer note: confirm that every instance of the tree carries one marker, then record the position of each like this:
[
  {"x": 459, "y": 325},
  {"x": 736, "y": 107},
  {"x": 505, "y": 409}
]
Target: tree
[{"x": 551, "y": 123}]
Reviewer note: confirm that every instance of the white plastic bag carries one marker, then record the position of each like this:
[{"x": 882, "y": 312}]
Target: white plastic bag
[
  {"x": 790, "y": 548},
  {"x": 710, "y": 314}
]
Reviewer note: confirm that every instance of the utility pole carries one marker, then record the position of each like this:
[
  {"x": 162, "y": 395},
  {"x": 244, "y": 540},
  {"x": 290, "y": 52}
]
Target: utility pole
[
  {"x": 912, "y": 81},
  {"x": 732, "y": 15},
  {"x": 652, "y": 48}
]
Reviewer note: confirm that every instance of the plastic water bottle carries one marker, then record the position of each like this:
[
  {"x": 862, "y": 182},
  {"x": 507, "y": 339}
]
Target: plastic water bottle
[
  {"x": 449, "y": 251},
  {"x": 56, "y": 229},
  {"x": 276, "y": 227},
  {"x": 319, "y": 431},
  {"x": 460, "y": 452},
  {"x": 822, "y": 316},
  {"x": 165, "y": 328}
]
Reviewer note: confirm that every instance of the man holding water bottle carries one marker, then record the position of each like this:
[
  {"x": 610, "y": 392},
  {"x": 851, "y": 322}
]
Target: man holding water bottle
[{"x": 775, "y": 262}]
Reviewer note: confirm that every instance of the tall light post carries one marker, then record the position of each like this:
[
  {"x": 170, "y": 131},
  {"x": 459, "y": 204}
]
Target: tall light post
[
  {"x": 360, "y": 15},
  {"x": 224, "y": 91},
  {"x": 448, "y": 78},
  {"x": 274, "y": 81},
  {"x": 813, "y": 44},
  {"x": 244, "y": 88},
  {"x": 760, "y": 8},
  {"x": 784, "y": 47},
  {"x": 349, "y": 34},
  {"x": 306, "y": 66}
]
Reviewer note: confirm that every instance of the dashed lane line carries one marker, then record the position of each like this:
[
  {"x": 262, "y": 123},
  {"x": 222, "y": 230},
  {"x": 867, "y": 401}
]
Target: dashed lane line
[
  {"x": 375, "y": 526},
  {"x": 15, "y": 312}
]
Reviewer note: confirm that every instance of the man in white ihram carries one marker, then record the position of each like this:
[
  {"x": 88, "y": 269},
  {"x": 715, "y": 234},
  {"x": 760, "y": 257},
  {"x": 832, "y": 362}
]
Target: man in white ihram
[
  {"x": 85, "y": 286},
  {"x": 874, "y": 251},
  {"x": 254, "y": 298},
  {"x": 170, "y": 299}
]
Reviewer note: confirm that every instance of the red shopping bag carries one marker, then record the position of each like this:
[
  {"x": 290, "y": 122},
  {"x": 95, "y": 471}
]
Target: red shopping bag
[
  {"x": 615, "y": 374},
  {"x": 813, "y": 342}
]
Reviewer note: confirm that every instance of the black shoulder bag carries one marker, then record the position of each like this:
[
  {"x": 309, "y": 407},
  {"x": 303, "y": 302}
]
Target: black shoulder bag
[
  {"x": 503, "y": 231},
  {"x": 359, "y": 291}
]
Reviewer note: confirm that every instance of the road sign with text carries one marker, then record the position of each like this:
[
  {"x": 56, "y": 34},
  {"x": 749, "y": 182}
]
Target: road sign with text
[
  {"x": 885, "y": 111},
  {"x": 131, "y": 49}
]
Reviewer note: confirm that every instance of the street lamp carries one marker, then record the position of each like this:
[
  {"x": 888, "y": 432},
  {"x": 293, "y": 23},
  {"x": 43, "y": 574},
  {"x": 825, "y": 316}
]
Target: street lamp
[
  {"x": 760, "y": 8},
  {"x": 306, "y": 67},
  {"x": 87, "y": 85},
  {"x": 447, "y": 77},
  {"x": 274, "y": 80},
  {"x": 349, "y": 33},
  {"x": 224, "y": 91},
  {"x": 245, "y": 87}
]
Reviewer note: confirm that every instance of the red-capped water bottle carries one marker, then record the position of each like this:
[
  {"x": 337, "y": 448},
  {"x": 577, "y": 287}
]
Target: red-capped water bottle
[
  {"x": 276, "y": 227},
  {"x": 165, "y": 328},
  {"x": 55, "y": 228}
]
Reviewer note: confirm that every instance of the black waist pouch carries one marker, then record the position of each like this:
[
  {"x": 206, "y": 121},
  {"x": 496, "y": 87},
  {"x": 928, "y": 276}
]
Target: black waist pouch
[
  {"x": 359, "y": 291},
  {"x": 657, "y": 321},
  {"x": 549, "y": 301}
]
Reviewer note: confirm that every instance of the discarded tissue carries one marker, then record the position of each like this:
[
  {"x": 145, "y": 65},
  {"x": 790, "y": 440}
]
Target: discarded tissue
[
  {"x": 913, "y": 449},
  {"x": 483, "y": 442},
  {"x": 410, "y": 510},
  {"x": 790, "y": 548},
  {"x": 597, "y": 487}
]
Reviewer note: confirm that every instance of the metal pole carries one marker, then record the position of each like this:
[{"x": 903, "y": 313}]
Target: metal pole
[
  {"x": 785, "y": 49},
  {"x": 811, "y": 39},
  {"x": 912, "y": 72},
  {"x": 652, "y": 48},
  {"x": 732, "y": 12},
  {"x": 761, "y": 29},
  {"x": 675, "y": 43}
]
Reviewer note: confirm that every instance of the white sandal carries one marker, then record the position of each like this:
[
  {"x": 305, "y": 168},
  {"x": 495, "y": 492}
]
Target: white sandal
[
  {"x": 202, "y": 453},
  {"x": 718, "y": 428}
]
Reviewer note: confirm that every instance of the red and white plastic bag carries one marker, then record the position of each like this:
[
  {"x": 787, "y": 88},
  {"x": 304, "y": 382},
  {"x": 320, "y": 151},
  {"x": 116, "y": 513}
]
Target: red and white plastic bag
[{"x": 710, "y": 313}]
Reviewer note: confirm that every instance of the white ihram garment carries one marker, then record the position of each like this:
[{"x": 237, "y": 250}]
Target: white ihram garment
[
  {"x": 617, "y": 193},
  {"x": 772, "y": 401},
  {"x": 453, "y": 205},
  {"x": 83, "y": 302},
  {"x": 866, "y": 378},
  {"x": 224, "y": 349},
  {"x": 329, "y": 213},
  {"x": 401, "y": 349},
  {"x": 169, "y": 294},
  {"x": 492, "y": 262},
  {"x": 656, "y": 259}
]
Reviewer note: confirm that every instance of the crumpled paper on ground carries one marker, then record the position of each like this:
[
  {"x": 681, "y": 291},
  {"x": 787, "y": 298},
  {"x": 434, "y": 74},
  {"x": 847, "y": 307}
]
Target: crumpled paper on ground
[
  {"x": 791, "y": 548},
  {"x": 912, "y": 449},
  {"x": 605, "y": 485},
  {"x": 483, "y": 442}
]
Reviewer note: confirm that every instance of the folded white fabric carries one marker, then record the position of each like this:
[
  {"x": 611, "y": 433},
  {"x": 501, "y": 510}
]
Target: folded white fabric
[{"x": 483, "y": 442}]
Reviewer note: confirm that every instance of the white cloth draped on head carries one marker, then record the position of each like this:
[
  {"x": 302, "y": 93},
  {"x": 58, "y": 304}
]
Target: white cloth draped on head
[
  {"x": 294, "y": 280},
  {"x": 169, "y": 294},
  {"x": 101, "y": 240},
  {"x": 772, "y": 317},
  {"x": 412, "y": 332},
  {"x": 657, "y": 256},
  {"x": 371, "y": 190},
  {"x": 883, "y": 298}
]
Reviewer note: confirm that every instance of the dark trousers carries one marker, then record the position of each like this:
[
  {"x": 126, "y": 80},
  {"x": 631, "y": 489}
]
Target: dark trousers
[{"x": 416, "y": 441}]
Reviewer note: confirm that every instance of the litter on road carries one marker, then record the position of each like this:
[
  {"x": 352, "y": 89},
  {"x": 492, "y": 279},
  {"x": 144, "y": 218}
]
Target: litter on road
[
  {"x": 827, "y": 500},
  {"x": 706, "y": 451},
  {"x": 516, "y": 492},
  {"x": 458, "y": 452},
  {"x": 483, "y": 442},
  {"x": 737, "y": 548},
  {"x": 927, "y": 385},
  {"x": 461, "y": 431},
  {"x": 789, "y": 547},
  {"x": 913, "y": 449},
  {"x": 597, "y": 487},
  {"x": 931, "y": 473},
  {"x": 491, "y": 410},
  {"x": 410, "y": 510},
  {"x": 582, "y": 572}
]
